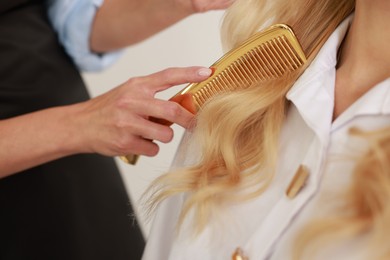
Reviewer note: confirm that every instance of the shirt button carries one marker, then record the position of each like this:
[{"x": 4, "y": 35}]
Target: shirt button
[
  {"x": 298, "y": 182},
  {"x": 239, "y": 255}
]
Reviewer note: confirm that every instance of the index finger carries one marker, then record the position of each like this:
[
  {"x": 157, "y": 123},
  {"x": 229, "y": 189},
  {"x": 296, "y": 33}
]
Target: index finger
[{"x": 176, "y": 76}]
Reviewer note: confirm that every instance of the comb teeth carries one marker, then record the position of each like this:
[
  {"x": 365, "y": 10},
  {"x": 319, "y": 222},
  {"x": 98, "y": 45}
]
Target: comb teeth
[{"x": 266, "y": 61}]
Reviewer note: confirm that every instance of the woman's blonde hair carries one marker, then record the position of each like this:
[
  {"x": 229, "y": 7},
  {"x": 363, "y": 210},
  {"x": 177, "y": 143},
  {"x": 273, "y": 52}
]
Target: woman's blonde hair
[{"x": 238, "y": 133}]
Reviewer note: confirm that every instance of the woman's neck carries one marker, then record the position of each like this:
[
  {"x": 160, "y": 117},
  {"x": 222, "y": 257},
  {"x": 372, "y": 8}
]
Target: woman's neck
[{"x": 364, "y": 55}]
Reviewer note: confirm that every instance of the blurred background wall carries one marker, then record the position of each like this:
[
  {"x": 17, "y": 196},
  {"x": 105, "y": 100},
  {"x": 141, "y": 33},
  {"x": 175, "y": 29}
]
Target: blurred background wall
[{"x": 193, "y": 41}]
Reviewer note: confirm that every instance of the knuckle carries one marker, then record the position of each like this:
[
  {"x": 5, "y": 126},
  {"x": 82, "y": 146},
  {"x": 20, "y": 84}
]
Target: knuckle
[
  {"x": 122, "y": 102},
  {"x": 133, "y": 81},
  {"x": 123, "y": 145},
  {"x": 136, "y": 86},
  {"x": 139, "y": 87},
  {"x": 120, "y": 124},
  {"x": 167, "y": 72},
  {"x": 166, "y": 75},
  {"x": 126, "y": 103},
  {"x": 125, "y": 141},
  {"x": 119, "y": 120}
]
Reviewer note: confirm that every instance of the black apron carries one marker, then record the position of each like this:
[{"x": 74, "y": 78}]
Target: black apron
[{"x": 72, "y": 208}]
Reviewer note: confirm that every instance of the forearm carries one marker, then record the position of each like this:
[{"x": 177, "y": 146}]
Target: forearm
[
  {"x": 33, "y": 139},
  {"x": 119, "y": 23}
]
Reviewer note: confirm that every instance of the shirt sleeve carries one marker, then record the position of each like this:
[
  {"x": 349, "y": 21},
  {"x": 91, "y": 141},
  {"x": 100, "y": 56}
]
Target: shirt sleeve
[{"x": 72, "y": 20}]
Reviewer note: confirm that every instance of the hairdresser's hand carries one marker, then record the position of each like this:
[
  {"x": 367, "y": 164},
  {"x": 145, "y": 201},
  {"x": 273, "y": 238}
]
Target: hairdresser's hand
[
  {"x": 117, "y": 122},
  {"x": 199, "y": 6}
]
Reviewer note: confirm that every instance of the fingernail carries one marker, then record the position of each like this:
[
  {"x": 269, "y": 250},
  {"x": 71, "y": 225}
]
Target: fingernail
[{"x": 205, "y": 72}]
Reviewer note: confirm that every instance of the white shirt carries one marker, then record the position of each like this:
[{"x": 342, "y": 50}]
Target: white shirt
[
  {"x": 266, "y": 227},
  {"x": 72, "y": 20}
]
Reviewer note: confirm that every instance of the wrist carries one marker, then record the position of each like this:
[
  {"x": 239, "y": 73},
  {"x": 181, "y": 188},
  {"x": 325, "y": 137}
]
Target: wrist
[{"x": 72, "y": 128}]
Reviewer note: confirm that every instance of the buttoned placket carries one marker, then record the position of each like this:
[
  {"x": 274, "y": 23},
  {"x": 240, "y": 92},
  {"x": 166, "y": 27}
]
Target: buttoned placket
[{"x": 286, "y": 209}]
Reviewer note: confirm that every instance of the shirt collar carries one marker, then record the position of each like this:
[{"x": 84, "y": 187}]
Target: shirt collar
[
  {"x": 375, "y": 102},
  {"x": 313, "y": 92}
]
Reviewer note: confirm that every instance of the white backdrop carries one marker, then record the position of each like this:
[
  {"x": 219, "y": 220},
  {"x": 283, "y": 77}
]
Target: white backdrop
[{"x": 193, "y": 41}]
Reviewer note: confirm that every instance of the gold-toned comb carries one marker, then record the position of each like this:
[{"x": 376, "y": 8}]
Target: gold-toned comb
[{"x": 267, "y": 55}]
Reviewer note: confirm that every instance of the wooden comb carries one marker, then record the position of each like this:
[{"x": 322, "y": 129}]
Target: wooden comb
[{"x": 266, "y": 55}]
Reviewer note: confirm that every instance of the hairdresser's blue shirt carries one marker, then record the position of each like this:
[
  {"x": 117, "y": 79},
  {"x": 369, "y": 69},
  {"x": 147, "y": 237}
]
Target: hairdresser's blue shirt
[{"x": 72, "y": 20}]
